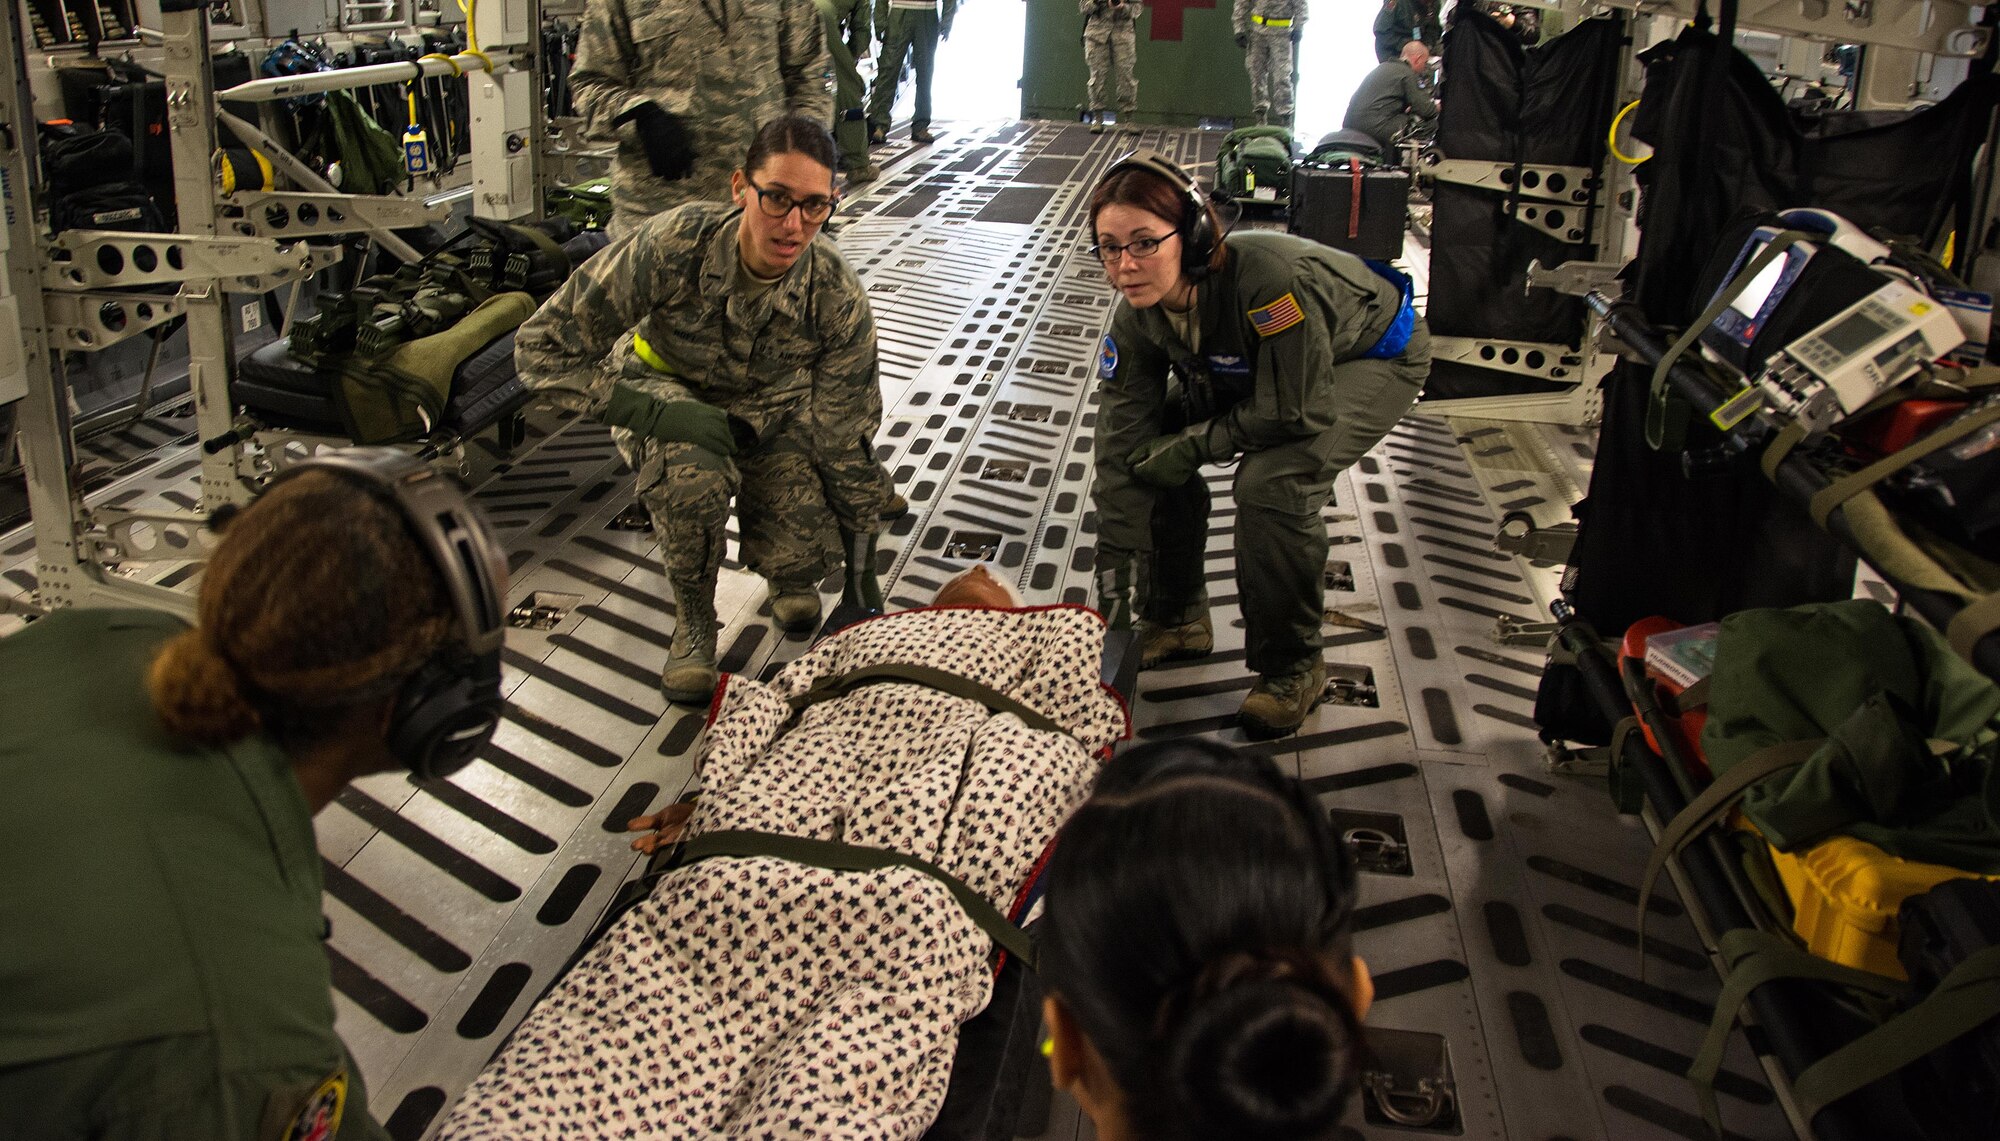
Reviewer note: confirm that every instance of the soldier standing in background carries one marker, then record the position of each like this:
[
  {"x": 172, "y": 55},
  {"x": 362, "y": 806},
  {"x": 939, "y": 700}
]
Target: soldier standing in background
[
  {"x": 847, "y": 40},
  {"x": 1110, "y": 47},
  {"x": 1268, "y": 30},
  {"x": 913, "y": 27},
  {"x": 681, "y": 85},
  {"x": 1401, "y": 21}
]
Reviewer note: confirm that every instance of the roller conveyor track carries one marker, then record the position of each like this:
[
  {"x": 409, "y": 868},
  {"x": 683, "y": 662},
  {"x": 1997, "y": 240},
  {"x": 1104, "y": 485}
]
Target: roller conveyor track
[{"x": 454, "y": 906}]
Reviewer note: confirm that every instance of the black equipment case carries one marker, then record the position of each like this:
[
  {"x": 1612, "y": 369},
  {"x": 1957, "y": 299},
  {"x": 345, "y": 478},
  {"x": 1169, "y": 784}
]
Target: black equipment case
[{"x": 1352, "y": 206}]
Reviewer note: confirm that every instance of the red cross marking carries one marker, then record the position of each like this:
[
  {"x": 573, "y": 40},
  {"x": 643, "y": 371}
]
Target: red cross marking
[{"x": 1167, "y": 16}]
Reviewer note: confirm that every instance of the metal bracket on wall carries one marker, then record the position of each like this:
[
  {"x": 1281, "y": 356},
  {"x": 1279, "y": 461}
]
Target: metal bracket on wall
[
  {"x": 1576, "y": 278},
  {"x": 118, "y": 536},
  {"x": 97, "y": 320},
  {"x": 1518, "y": 535},
  {"x": 1571, "y": 184},
  {"x": 105, "y": 259},
  {"x": 1539, "y": 359},
  {"x": 1939, "y": 27},
  {"x": 267, "y": 214}
]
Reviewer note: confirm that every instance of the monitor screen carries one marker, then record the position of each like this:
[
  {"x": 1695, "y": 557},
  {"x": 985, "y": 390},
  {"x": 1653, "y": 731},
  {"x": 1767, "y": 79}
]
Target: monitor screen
[
  {"x": 1750, "y": 302},
  {"x": 1853, "y": 334}
]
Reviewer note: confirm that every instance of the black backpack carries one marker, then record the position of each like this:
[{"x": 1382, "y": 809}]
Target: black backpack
[{"x": 89, "y": 176}]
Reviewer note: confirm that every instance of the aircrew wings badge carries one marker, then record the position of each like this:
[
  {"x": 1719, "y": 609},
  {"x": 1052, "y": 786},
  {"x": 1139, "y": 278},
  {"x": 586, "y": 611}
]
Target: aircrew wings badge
[{"x": 1276, "y": 317}]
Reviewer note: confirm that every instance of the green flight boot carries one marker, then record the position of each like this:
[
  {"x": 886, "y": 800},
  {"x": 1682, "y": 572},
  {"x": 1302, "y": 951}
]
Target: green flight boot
[
  {"x": 1162, "y": 643},
  {"x": 795, "y": 608},
  {"x": 1277, "y": 706},
  {"x": 690, "y": 675},
  {"x": 861, "y": 596}
]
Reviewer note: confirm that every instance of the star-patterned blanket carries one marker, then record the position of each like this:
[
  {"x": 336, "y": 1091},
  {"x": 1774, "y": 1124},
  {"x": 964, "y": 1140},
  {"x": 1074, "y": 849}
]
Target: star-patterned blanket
[{"x": 754, "y": 998}]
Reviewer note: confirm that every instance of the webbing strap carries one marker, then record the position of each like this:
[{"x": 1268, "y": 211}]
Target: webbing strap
[
  {"x": 839, "y": 857},
  {"x": 827, "y": 688},
  {"x": 1712, "y": 805},
  {"x": 1847, "y": 487},
  {"x": 647, "y": 353},
  {"x": 1791, "y": 436},
  {"x": 1977, "y": 620},
  {"x": 1963, "y": 1000},
  {"x": 1354, "y": 202},
  {"x": 1656, "y": 409},
  {"x": 1752, "y": 958}
]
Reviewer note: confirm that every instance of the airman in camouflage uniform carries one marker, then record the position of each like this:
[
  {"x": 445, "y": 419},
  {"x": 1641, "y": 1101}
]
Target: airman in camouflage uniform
[
  {"x": 719, "y": 67},
  {"x": 669, "y": 314},
  {"x": 847, "y": 39},
  {"x": 1268, "y": 30},
  {"x": 1110, "y": 47}
]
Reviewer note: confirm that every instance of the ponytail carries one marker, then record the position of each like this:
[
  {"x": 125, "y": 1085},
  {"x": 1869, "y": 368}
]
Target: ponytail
[{"x": 197, "y": 695}]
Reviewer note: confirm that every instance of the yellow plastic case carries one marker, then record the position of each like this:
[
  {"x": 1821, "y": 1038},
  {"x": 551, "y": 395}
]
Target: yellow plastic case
[{"x": 1845, "y": 893}]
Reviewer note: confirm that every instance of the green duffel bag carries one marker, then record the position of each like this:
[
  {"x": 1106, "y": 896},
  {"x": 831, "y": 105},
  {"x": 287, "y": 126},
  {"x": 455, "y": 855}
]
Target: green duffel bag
[{"x": 1255, "y": 164}]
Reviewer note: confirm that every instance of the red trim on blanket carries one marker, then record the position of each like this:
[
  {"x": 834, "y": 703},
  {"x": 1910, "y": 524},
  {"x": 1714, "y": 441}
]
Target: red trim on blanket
[
  {"x": 715, "y": 700},
  {"x": 1021, "y": 898}
]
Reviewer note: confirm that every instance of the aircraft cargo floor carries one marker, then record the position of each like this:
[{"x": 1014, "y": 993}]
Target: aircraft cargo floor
[{"x": 1509, "y": 933}]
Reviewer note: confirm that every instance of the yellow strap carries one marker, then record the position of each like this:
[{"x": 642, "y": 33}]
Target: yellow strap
[
  {"x": 1270, "y": 23},
  {"x": 1611, "y": 138},
  {"x": 645, "y": 353}
]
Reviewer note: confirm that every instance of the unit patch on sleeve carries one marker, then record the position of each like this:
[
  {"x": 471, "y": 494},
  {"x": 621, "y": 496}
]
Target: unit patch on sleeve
[
  {"x": 1276, "y": 317},
  {"x": 319, "y": 1118},
  {"x": 1107, "y": 359}
]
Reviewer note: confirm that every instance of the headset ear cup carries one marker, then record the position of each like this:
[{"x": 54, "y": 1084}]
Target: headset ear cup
[{"x": 445, "y": 713}]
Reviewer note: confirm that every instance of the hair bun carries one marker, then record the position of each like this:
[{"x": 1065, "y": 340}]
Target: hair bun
[
  {"x": 197, "y": 695},
  {"x": 1264, "y": 1047}
]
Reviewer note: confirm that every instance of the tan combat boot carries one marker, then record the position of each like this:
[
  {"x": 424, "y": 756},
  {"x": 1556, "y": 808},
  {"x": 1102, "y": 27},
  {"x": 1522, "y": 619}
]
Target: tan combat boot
[
  {"x": 1160, "y": 643},
  {"x": 1279, "y": 705},
  {"x": 1097, "y": 122},
  {"x": 795, "y": 608},
  {"x": 690, "y": 675}
]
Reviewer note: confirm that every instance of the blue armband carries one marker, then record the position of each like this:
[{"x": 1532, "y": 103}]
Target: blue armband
[{"x": 1397, "y": 336}]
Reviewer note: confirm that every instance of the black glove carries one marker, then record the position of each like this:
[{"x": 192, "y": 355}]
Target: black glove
[
  {"x": 669, "y": 151},
  {"x": 1296, "y": 33},
  {"x": 1242, "y": 39}
]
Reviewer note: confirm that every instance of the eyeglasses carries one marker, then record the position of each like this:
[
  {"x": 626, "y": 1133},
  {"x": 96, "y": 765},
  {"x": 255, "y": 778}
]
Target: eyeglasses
[
  {"x": 778, "y": 203},
  {"x": 1142, "y": 248}
]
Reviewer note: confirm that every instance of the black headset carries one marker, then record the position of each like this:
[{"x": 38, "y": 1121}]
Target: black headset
[
  {"x": 446, "y": 710},
  {"x": 1197, "y": 225}
]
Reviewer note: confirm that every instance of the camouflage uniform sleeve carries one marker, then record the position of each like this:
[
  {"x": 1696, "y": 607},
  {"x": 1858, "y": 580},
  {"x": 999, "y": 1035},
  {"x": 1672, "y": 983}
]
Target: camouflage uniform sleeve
[
  {"x": 946, "y": 8},
  {"x": 560, "y": 351},
  {"x": 804, "y": 61},
  {"x": 1239, "y": 16},
  {"x": 601, "y": 82},
  {"x": 847, "y": 373}
]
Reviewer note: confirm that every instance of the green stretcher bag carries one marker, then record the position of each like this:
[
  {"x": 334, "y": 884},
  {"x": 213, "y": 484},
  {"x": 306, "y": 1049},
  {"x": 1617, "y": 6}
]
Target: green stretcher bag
[{"x": 401, "y": 396}]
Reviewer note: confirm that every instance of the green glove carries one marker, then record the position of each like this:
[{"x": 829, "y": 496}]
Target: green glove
[
  {"x": 1168, "y": 461},
  {"x": 683, "y": 421}
]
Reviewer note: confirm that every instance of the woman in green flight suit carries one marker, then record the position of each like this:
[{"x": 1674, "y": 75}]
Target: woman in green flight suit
[
  {"x": 1285, "y": 355},
  {"x": 164, "y": 975}
]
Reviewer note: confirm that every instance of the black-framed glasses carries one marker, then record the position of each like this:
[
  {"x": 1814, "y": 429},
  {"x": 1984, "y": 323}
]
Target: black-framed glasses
[
  {"x": 1141, "y": 248},
  {"x": 778, "y": 203}
]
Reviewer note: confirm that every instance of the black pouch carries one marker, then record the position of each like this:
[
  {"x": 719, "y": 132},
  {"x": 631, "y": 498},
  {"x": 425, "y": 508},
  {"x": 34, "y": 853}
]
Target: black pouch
[{"x": 1957, "y": 1087}]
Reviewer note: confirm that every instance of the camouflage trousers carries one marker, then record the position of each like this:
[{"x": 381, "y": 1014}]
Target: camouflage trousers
[
  {"x": 793, "y": 500},
  {"x": 1270, "y": 63},
  {"x": 1110, "y": 49}
]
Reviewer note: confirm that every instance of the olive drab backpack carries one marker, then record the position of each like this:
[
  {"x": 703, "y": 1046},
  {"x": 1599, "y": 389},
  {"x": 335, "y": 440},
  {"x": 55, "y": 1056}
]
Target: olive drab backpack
[{"x": 1255, "y": 165}]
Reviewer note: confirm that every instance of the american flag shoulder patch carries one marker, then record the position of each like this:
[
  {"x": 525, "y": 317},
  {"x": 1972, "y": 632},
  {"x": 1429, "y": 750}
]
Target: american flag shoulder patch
[{"x": 1276, "y": 317}]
